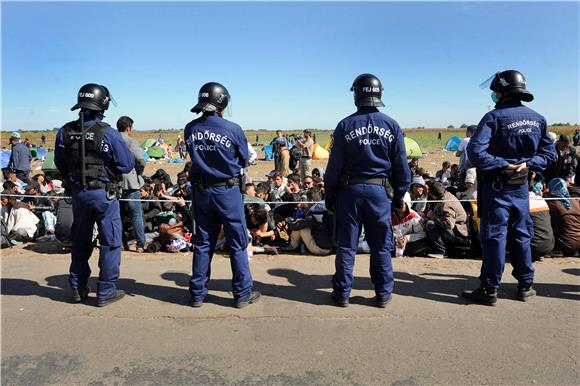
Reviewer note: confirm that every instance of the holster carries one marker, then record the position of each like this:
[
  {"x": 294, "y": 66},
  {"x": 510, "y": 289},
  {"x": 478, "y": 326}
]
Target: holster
[{"x": 511, "y": 177}]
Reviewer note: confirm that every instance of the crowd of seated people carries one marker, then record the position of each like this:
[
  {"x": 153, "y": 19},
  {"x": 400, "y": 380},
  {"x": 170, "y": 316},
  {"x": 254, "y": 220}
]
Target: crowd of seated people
[{"x": 287, "y": 213}]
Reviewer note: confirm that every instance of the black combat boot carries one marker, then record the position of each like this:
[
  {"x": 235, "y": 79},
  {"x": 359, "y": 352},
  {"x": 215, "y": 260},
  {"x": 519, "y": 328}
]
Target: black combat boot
[
  {"x": 339, "y": 301},
  {"x": 105, "y": 302},
  {"x": 80, "y": 296},
  {"x": 525, "y": 292},
  {"x": 253, "y": 298},
  {"x": 482, "y": 295}
]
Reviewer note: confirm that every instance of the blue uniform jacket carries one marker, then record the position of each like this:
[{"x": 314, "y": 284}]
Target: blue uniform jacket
[
  {"x": 20, "y": 158},
  {"x": 116, "y": 155},
  {"x": 218, "y": 148},
  {"x": 368, "y": 144},
  {"x": 511, "y": 134}
]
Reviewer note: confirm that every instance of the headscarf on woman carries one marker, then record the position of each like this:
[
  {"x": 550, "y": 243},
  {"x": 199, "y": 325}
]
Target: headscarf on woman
[{"x": 558, "y": 188}]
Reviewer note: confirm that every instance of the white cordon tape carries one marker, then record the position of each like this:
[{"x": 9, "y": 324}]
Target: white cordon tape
[{"x": 275, "y": 202}]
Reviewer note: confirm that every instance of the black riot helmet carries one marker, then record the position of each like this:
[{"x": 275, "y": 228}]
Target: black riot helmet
[
  {"x": 93, "y": 97},
  {"x": 212, "y": 96},
  {"x": 368, "y": 91},
  {"x": 511, "y": 83}
]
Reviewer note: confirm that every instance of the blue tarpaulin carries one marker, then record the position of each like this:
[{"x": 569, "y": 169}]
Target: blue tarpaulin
[
  {"x": 453, "y": 143},
  {"x": 5, "y": 158},
  {"x": 268, "y": 155}
]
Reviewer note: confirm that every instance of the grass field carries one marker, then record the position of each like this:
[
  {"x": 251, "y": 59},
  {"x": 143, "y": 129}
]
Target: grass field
[{"x": 427, "y": 138}]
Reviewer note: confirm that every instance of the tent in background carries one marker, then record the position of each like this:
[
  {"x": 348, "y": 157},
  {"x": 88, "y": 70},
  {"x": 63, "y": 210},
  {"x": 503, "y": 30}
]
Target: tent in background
[
  {"x": 38, "y": 153},
  {"x": 318, "y": 152},
  {"x": 145, "y": 155},
  {"x": 453, "y": 143},
  {"x": 413, "y": 148},
  {"x": 268, "y": 154},
  {"x": 156, "y": 152},
  {"x": 48, "y": 165},
  {"x": 5, "y": 158},
  {"x": 148, "y": 143}
]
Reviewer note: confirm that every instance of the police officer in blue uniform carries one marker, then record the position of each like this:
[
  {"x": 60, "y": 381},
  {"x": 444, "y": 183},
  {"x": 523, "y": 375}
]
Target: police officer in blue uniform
[
  {"x": 509, "y": 141},
  {"x": 91, "y": 157},
  {"x": 219, "y": 152},
  {"x": 367, "y": 165}
]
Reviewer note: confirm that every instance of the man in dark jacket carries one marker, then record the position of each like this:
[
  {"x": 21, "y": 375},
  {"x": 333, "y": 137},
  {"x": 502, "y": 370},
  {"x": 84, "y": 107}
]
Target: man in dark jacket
[
  {"x": 565, "y": 165},
  {"x": 20, "y": 158}
]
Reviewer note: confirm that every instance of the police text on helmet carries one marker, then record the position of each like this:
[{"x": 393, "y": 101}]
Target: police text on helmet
[{"x": 86, "y": 95}]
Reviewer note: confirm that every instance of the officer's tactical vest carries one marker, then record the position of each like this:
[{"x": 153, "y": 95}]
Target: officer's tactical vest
[{"x": 93, "y": 162}]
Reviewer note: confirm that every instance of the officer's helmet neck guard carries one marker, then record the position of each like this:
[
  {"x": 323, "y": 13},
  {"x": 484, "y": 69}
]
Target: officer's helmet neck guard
[
  {"x": 212, "y": 97},
  {"x": 93, "y": 97},
  {"x": 510, "y": 84},
  {"x": 368, "y": 91}
]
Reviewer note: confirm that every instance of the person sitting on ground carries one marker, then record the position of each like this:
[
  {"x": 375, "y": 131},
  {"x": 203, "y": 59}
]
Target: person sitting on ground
[
  {"x": 453, "y": 184},
  {"x": 308, "y": 183},
  {"x": 469, "y": 186},
  {"x": 279, "y": 187},
  {"x": 21, "y": 222},
  {"x": 250, "y": 189},
  {"x": 317, "y": 173},
  {"x": 11, "y": 177},
  {"x": 537, "y": 183},
  {"x": 418, "y": 194},
  {"x": 319, "y": 186},
  {"x": 565, "y": 217},
  {"x": 151, "y": 207},
  {"x": 409, "y": 231},
  {"x": 263, "y": 192},
  {"x": 293, "y": 186},
  {"x": 542, "y": 242},
  {"x": 167, "y": 214},
  {"x": 261, "y": 226},
  {"x": 41, "y": 206},
  {"x": 445, "y": 172},
  {"x": 414, "y": 166},
  {"x": 314, "y": 230},
  {"x": 45, "y": 185},
  {"x": 161, "y": 176},
  {"x": 447, "y": 223}
]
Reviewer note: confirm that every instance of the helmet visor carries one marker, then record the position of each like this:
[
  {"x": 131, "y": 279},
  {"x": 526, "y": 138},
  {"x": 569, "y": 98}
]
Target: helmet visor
[{"x": 487, "y": 83}]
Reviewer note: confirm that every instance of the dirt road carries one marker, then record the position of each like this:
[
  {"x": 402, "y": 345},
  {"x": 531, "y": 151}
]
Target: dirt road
[{"x": 426, "y": 335}]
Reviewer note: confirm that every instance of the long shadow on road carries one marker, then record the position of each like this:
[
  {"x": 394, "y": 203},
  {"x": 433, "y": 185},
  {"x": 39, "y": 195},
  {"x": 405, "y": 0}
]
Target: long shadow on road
[{"x": 301, "y": 287}]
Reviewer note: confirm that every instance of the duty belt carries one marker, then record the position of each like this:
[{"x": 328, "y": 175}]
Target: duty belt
[
  {"x": 381, "y": 181},
  {"x": 200, "y": 183},
  {"x": 506, "y": 177},
  {"x": 371, "y": 181},
  {"x": 95, "y": 184}
]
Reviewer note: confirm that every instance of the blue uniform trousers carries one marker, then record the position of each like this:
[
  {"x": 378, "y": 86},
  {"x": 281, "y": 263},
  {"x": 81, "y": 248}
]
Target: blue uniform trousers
[
  {"x": 506, "y": 225},
  {"x": 368, "y": 205},
  {"x": 90, "y": 206},
  {"x": 215, "y": 206}
]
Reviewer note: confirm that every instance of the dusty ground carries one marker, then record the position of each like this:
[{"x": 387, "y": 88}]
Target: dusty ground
[{"x": 426, "y": 335}]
